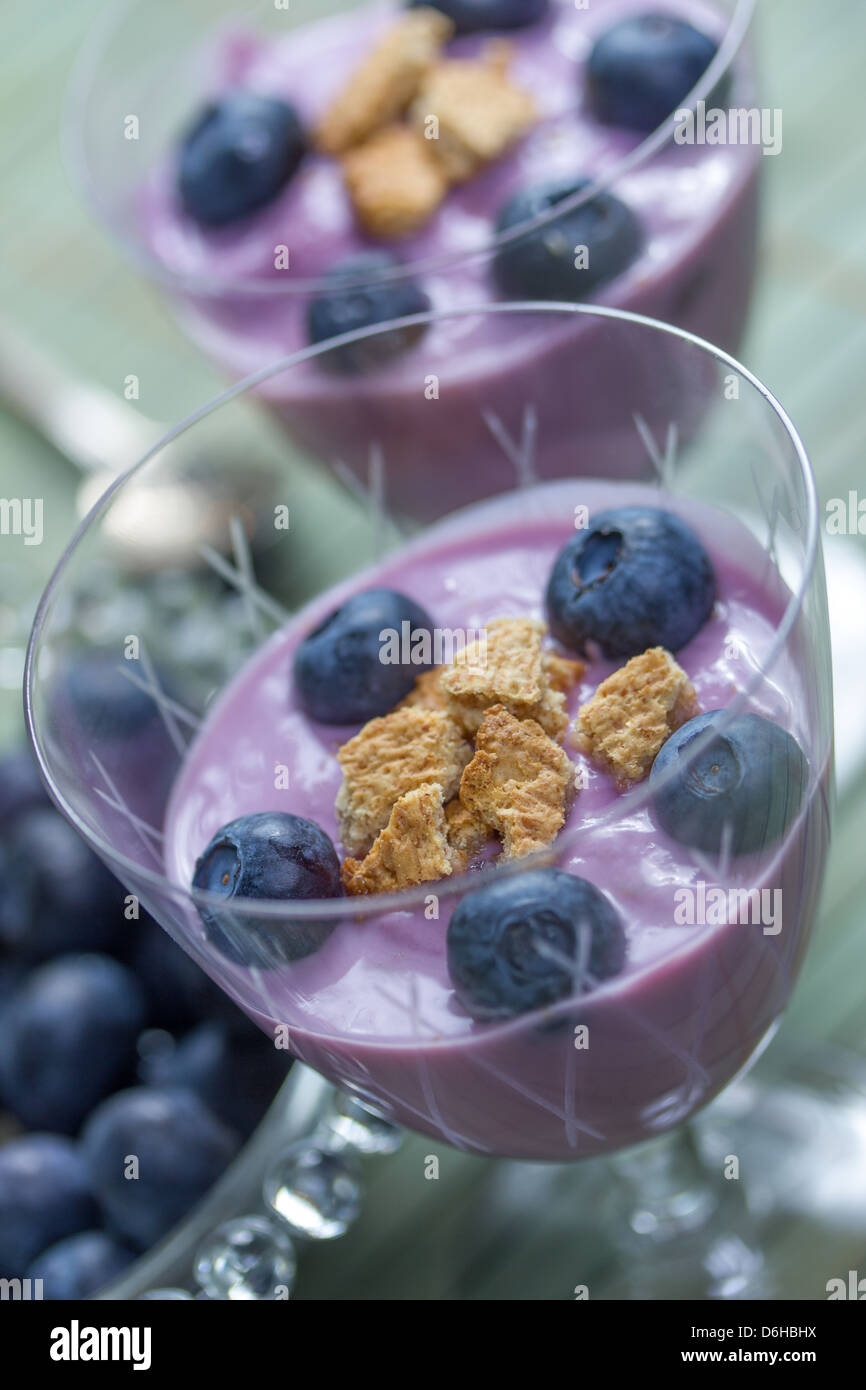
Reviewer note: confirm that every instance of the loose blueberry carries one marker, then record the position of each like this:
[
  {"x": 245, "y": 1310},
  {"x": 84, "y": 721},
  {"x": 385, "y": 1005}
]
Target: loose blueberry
[
  {"x": 640, "y": 70},
  {"x": 471, "y": 16},
  {"x": 181, "y": 1149},
  {"x": 637, "y": 577},
  {"x": 236, "y": 1080},
  {"x": 105, "y": 702},
  {"x": 55, "y": 894},
  {"x": 351, "y": 668},
  {"x": 67, "y": 1039},
  {"x": 238, "y": 156},
  {"x": 80, "y": 1265},
  {"x": 21, "y": 787},
  {"x": 739, "y": 793},
  {"x": 363, "y": 305},
  {"x": 271, "y": 855},
  {"x": 526, "y": 940},
  {"x": 46, "y": 1194},
  {"x": 541, "y": 264}
]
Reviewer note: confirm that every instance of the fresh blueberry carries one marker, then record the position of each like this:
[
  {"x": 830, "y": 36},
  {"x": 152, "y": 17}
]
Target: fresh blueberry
[
  {"x": 81, "y": 1265},
  {"x": 470, "y": 16},
  {"x": 372, "y": 300},
  {"x": 271, "y": 855},
  {"x": 237, "y": 1080},
  {"x": 541, "y": 264},
  {"x": 46, "y": 1193},
  {"x": 67, "y": 1039},
  {"x": 105, "y": 702},
  {"x": 351, "y": 668},
  {"x": 55, "y": 894},
  {"x": 180, "y": 1149},
  {"x": 178, "y": 991},
  {"x": 21, "y": 787},
  {"x": 528, "y": 939},
  {"x": 636, "y": 577},
  {"x": 12, "y": 974},
  {"x": 739, "y": 793},
  {"x": 641, "y": 69},
  {"x": 237, "y": 157}
]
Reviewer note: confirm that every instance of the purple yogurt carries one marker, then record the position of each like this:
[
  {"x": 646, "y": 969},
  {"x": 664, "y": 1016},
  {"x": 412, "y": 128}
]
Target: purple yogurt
[
  {"x": 697, "y": 206},
  {"x": 374, "y": 1009}
]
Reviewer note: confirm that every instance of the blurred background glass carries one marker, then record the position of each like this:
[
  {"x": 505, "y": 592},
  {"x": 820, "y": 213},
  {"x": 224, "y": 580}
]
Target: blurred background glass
[{"x": 486, "y": 1229}]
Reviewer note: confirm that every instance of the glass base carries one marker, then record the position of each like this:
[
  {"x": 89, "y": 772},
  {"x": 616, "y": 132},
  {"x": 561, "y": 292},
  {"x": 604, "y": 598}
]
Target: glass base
[{"x": 762, "y": 1197}]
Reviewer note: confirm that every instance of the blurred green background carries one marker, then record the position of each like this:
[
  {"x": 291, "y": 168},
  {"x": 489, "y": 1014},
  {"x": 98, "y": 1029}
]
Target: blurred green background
[{"x": 65, "y": 288}]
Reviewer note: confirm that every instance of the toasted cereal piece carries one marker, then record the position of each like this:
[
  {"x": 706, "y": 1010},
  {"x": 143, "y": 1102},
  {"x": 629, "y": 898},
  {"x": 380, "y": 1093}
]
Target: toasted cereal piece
[
  {"x": 390, "y": 757},
  {"x": 475, "y": 110},
  {"x": 520, "y": 782},
  {"x": 427, "y": 692},
  {"x": 507, "y": 668},
  {"x": 633, "y": 713},
  {"x": 394, "y": 182},
  {"x": 467, "y": 833},
  {"x": 562, "y": 673},
  {"x": 383, "y": 86},
  {"x": 413, "y": 847}
]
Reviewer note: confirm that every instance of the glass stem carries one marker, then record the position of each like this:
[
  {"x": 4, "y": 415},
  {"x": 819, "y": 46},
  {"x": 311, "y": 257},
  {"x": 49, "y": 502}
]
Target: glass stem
[{"x": 668, "y": 1192}]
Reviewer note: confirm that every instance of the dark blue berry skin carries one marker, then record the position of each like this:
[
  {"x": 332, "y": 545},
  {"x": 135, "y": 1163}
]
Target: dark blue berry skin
[
  {"x": 238, "y": 157},
  {"x": 541, "y": 264},
  {"x": 515, "y": 945},
  {"x": 472, "y": 16},
  {"x": 640, "y": 70},
  {"x": 55, "y": 894},
  {"x": 354, "y": 307},
  {"x": 637, "y": 577},
  {"x": 46, "y": 1193},
  {"x": 67, "y": 1039},
  {"x": 21, "y": 787},
  {"x": 270, "y": 855},
  {"x": 80, "y": 1265},
  {"x": 104, "y": 702},
  {"x": 339, "y": 674},
  {"x": 236, "y": 1080},
  {"x": 181, "y": 1148},
  {"x": 741, "y": 792}
]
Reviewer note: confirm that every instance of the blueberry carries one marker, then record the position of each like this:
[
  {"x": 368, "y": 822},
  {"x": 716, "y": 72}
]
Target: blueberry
[
  {"x": 106, "y": 703},
  {"x": 81, "y": 1265},
  {"x": 237, "y": 157},
  {"x": 180, "y": 1149},
  {"x": 178, "y": 991},
  {"x": 527, "y": 939},
  {"x": 55, "y": 894},
  {"x": 351, "y": 668},
  {"x": 46, "y": 1194},
  {"x": 740, "y": 793},
  {"x": 270, "y": 855},
  {"x": 641, "y": 69},
  {"x": 541, "y": 264},
  {"x": 67, "y": 1038},
  {"x": 21, "y": 787},
  {"x": 470, "y": 16},
  {"x": 237, "y": 1080},
  {"x": 637, "y": 577},
  {"x": 363, "y": 305}
]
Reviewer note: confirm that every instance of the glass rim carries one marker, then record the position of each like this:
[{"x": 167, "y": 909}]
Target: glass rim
[
  {"x": 374, "y": 904},
  {"x": 85, "y": 70}
]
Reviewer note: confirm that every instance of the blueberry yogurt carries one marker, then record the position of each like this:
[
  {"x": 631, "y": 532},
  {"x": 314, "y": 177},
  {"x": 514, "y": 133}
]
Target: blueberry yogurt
[
  {"x": 593, "y": 877},
  {"x": 530, "y": 102}
]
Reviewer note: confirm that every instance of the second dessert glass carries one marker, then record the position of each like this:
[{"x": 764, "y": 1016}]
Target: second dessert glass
[
  {"x": 143, "y": 77},
  {"x": 666, "y": 1035}
]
